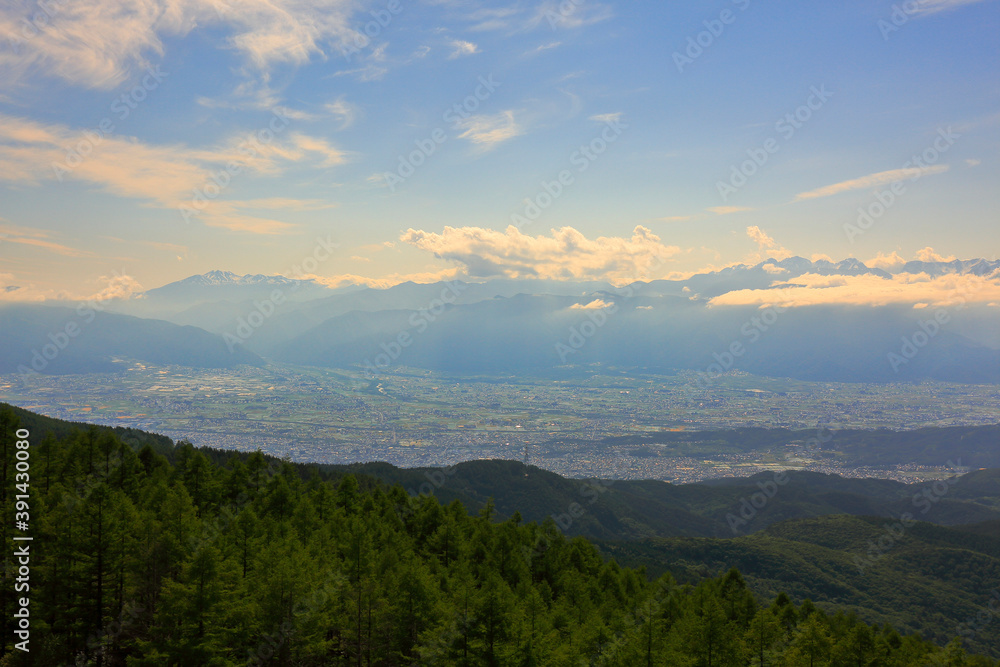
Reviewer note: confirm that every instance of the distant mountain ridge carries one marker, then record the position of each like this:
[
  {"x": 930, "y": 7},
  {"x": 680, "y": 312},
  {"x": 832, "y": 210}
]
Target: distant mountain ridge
[
  {"x": 57, "y": 340},
  {"x": 230, "y": 278},
  {"x": 503, "y": 325}
]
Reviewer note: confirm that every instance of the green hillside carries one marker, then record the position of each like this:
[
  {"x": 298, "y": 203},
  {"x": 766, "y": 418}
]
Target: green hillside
[
  {"x": 920, "y": 578},
  {"x": 141, "y": 560}
]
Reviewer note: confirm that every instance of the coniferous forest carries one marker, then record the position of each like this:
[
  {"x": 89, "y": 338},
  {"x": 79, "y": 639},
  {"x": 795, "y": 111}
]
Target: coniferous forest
[{"x": 148, "y": 554}]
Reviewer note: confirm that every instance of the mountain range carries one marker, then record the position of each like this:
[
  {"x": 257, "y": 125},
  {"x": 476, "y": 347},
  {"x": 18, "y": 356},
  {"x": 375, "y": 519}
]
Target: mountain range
[{"x": 535, "y": 326}]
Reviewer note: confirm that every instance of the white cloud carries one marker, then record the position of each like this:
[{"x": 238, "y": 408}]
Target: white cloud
[
  {"x": 774, "y": 268},
  {"x": 973, "y": 162},
  {"x": 766, "y": 246},
  {"x": 501, "y": 18},
  {"x": 342, "y": 110},
  {"x": 886, "y": 262},
  {"x": 596, "y": 304},
  {"x": 726, "y": 210},
  {"x": 568, "y": 14},
  {"x": 488, "y": 131},
  {"x": 164, "y": 175},
  {"x": 102, "y": 43},
  {"x": 928, "y": 255},
  {"x": 565, "y": 255},
  {"x": 869, "y": 290},
  {"x": 38, "y": 238},
  {"x": 461, "y": 48},
  {"x": 546, "y": 47},
  {"x": 934, "y": 6},
  {"x": 286, "y": 204},
  {"x": 370, "y": 72},
  {"x": 550, "y": 14},
  {"x": 119, "y": 286},
  {"x": 13, "y": 290},
  {"x": 871, "y": 181},
  {"x": 607, "y": 117}
]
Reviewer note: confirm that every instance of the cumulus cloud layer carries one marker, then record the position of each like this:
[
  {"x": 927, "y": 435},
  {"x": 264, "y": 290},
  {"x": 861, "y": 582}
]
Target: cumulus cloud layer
[
  {"x": 887, "y": 262},
  {"x": 596, "y": 304},
  {"x": 566, "y": 254},
  {"x": 116, "y": 286},
  {"x": 928, "y": 255},
  {"x": 868, "y": 290},
  {"x": 766, "y": 246}
]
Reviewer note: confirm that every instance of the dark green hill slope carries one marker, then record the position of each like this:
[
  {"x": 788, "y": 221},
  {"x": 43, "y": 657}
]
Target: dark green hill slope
[
  {"x": 637, "y": 509},
  {"x": 141, "y": 561},
  {"x": 924, "y": 578}
]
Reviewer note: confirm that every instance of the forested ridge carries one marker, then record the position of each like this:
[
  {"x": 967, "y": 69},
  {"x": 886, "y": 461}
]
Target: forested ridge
[{"x": 144, "y": 556}]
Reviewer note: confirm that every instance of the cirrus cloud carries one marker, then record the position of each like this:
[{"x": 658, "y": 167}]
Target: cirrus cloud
[
  {"x": 871, "y": 181},
  {"x": 489, "y": 131},
  {"x": 165, "y": 176},
  {"x": 101, "y": 43}
]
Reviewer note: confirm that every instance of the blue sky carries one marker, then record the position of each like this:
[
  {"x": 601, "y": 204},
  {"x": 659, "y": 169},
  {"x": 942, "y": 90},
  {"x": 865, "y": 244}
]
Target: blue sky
[{"x": 139, "y": 104}]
